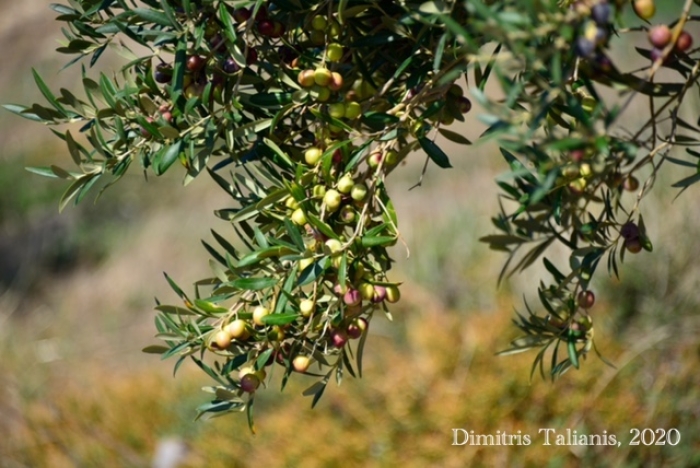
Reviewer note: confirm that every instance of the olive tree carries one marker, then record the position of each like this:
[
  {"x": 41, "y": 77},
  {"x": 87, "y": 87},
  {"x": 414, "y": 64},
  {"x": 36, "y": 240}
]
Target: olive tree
[{"x": 300, "y": 109}]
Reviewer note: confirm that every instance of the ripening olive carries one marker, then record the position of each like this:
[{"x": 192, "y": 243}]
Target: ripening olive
[
  {"x": 301, "y": 363},
  {"x": 312, "y": 156},
  {"x": 259, "y": 313},
  {"x": 319, "y": 23},
  {"x": 629, "y": 230},
  {"x": 660, "y": 36},
  {"x": 352, "y": 297},
  {"x": 586, "y": 299},
  {"x": 336, "y": 81},
  {"x": 645, "y": 9},
  {"x": 352, "y": 110},
  {"x": 238, "y": 330},
  {"x": 339, "y": 338},
  {"x": 250, "y": 383},
  {"x": 345, "y": 184},
  {"x": 336, "y": 110},
  {"x": 633, "y": 245},
  {"x": 299, "y": 217},
  {"x": 684, "y": 42},
  {"x": 358, "y": 192},
  {"x": 334, "y": 52},
  {"x": 307, "y": 307},
  {"x": 334, "y": 245},
  {"x": 393, "y": 294},
  {"x": 195, "y": 63},
  {"x": 630, "y": 184},
  {"x": 306, "y": 78},
  {"x": 322, "y": 76},
  {"x": 357, "y": 327},
  {"x": 332, "y": 199},
  {"x": 222, "y": 339}
]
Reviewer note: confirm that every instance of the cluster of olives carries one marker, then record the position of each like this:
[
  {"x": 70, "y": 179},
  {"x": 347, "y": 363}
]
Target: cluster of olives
[
  {"x": 632, "y": 237},
  {"x": 596, "y": 31},
  {"x": 579, "y": 327},
  {"x": 660, "y": 36},
  {"x": 217, "y": 68},
  {"x": 322, "y": 82},
  {"x": 340, "y": 207},
  {"x": 344, "y": 203},
  {"x": 586, "y": 164},
  {"x": 578, "y": 330}
]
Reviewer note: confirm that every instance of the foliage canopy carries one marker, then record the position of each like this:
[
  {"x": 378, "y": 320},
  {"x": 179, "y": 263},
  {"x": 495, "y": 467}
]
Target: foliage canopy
[{"x": 300, "y": 109}]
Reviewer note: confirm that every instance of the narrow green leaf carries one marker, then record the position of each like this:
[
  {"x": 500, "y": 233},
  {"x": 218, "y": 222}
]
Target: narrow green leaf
[
  {"x": 176, "y": 288},
  {"x": 253, "y": 209},
  {"x": 280, "y": 319},
  {"x": 261, "y": 361},
  {"x": 321, "y": 226},
  {"x": 175, "y": 310},
  {"x": 688, "y": 181},
  {"x": 23, "y": 112},
  {"x": 249, "y": 414},
  {"x": 273, "y": 146},
  {"x": 315, "y": 388},
  {"x": 73, "y": 148},
  {"x": 73, "y": 189},
  {"x": 48, "y": 94},
  {"x": 253, "y": 284},
  {"x": 170, "y": 14},
  {"x": 208, "y": 307},
  {"x": 435, "y": 153},
  {"x": 169, "y": 157},
  {"x": 313, "y": 271},
  {"x": 42, "y": 171},
  {"x": 319, "y": 394},
  {"x": 294, "y": 234},
  {"x": 153, "y": 16},
  {"x": 573, "y": 355},
  {"x": 361, "y": 349},
  {"x": 454, "y": 136},
  {"x": 377, "y": 240}
]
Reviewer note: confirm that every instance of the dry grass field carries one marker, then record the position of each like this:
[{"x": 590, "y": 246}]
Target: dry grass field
[{"x": 76, "y": 308}]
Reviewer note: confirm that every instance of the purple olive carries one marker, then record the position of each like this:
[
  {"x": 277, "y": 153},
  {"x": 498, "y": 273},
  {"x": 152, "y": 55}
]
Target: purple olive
[
  {"x": 584, "y": 47},
  {"x": 601, "y": 13},
  {"x": 230, "y": 66},
  {"x": 629, "y": 230}
]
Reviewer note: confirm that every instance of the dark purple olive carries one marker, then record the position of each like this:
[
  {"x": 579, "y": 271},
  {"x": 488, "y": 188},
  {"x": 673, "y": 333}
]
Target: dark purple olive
[
  {"x": 163, "y": 73},
  {"x": 601, "y": 35},
  {"x": 584, "y": 47},
  {"x": 287, "y": 54},
  {"x": 684, "y": 42},
  {"x": 230, "y": 66},
  {"x": 657, "y": 54},
  {"x": 586, "y": 299},
  {"x": 602, "y": 63},
  {"x": 241, "y": 15},
  {"x": 464, "y": 104},
  {"x": 217, "y": 43},
  {"x": 601, "y": 13},
  {"x": 629, "y": 230},
  {"x": 195, "y": 63}
]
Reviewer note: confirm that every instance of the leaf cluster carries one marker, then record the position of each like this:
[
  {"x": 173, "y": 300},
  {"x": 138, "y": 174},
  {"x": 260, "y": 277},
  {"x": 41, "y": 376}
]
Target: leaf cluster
[{"x": 300, "y": 109}]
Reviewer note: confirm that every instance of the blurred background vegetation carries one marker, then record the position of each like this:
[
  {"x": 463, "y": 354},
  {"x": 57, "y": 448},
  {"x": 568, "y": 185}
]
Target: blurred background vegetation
[{"x": 76, "y": 299}]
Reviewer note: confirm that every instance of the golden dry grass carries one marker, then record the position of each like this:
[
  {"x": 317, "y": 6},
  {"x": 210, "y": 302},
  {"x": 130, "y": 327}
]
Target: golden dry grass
[{"x": 433, "y": 370}]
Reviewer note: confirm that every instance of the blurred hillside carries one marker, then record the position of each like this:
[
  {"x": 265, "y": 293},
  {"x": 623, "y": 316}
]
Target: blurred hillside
[{"x": 76, "y": 299}]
